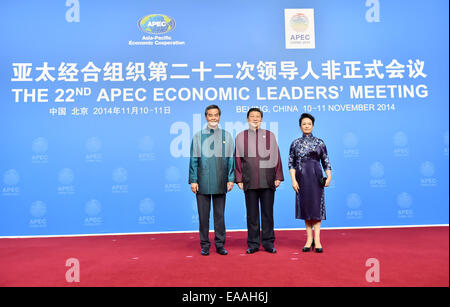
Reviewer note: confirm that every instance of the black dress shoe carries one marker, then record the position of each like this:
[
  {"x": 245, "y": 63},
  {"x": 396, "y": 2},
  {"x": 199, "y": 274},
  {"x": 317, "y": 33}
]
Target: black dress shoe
[
  {"x": 271, "y": 250},
  {"x": 319, "y": 250},
  {"x": 204, "y": 252},
  {"x": 252, "y": 250},
  {"x": 222, "y": 251}
]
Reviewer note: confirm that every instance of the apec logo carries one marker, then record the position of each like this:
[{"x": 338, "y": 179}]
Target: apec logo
[
  {"x": 299, "y": 29},
  {"x": 156, "y": 24},
  {"x": 299, "y": 22}
]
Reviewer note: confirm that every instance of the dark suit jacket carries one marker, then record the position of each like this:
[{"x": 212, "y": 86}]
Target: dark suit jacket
[{"x": 257, "y": 159}]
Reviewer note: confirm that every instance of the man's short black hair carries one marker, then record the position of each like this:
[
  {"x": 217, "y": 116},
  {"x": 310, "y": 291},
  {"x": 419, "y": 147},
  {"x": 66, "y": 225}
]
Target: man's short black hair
[
  {"x": 306, "y": 115},
  {"x": 253, "y": 110},
  {"x": 211, "y": 107}
]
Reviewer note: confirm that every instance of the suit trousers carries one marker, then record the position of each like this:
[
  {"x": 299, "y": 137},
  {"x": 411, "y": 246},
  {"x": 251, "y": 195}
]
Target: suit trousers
[
  {"x": 252, "y": 199},
  {"x": 204, "y": 209}
]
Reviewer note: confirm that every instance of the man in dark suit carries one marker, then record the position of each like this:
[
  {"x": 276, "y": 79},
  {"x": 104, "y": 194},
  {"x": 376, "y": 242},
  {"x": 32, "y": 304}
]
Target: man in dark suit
[{"x": 259, "y": 173}]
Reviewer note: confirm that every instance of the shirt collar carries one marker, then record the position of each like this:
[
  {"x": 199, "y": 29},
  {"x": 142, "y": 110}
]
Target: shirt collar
[
  {"x": 208, "y": 130},
  {"x": 254, "y": 130}
]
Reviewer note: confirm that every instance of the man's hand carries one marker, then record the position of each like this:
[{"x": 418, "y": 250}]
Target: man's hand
[{"x": 194, "y": 187}]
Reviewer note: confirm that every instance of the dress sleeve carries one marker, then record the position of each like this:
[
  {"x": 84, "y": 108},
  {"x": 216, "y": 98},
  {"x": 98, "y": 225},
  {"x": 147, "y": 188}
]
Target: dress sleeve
[
  {"x": 292, "y": 157},
  {"x": 324, "y": 157}
]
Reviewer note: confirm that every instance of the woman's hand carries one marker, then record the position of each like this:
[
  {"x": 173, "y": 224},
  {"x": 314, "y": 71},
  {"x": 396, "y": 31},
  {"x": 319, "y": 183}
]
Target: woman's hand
[
  {"x": 328, "y": 181},
  {"x": 295, "y": 186}
]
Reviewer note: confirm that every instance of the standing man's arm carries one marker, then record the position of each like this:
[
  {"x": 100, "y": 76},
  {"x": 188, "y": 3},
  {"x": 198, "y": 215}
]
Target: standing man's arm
[
  {"x": 278, "y": 168},
  {"x": 238, "y": 165},
  {"x": 230, "y": 162},
  {"x": 193, "y": 167}
]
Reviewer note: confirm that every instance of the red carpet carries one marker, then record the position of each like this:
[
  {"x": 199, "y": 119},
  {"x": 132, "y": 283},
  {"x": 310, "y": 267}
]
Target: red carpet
[{"x": 407, "y": 257}]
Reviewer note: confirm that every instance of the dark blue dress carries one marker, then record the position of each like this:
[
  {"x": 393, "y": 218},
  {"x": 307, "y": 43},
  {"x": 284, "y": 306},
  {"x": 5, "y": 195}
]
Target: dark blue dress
[{"x": 306, "y": 156}]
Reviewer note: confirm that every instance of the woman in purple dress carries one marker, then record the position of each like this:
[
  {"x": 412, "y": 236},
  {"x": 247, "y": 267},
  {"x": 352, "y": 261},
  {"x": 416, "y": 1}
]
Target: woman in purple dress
[{"x": 305, "y": 158}]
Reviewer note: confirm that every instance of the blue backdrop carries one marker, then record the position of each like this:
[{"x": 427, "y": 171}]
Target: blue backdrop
[{"x": 100, "y": 99}]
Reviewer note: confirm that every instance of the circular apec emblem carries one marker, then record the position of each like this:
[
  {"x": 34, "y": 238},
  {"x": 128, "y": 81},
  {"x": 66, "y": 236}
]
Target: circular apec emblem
[
  {"x": 156, "y": 24},
  {"x": 299, "y": 22}
]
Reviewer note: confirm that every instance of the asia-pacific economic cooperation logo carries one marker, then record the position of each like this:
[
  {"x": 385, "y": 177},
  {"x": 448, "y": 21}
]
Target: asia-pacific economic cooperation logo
[
  {"x": 156, "y": 28},
  {"x": 156, "y": 24}
]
